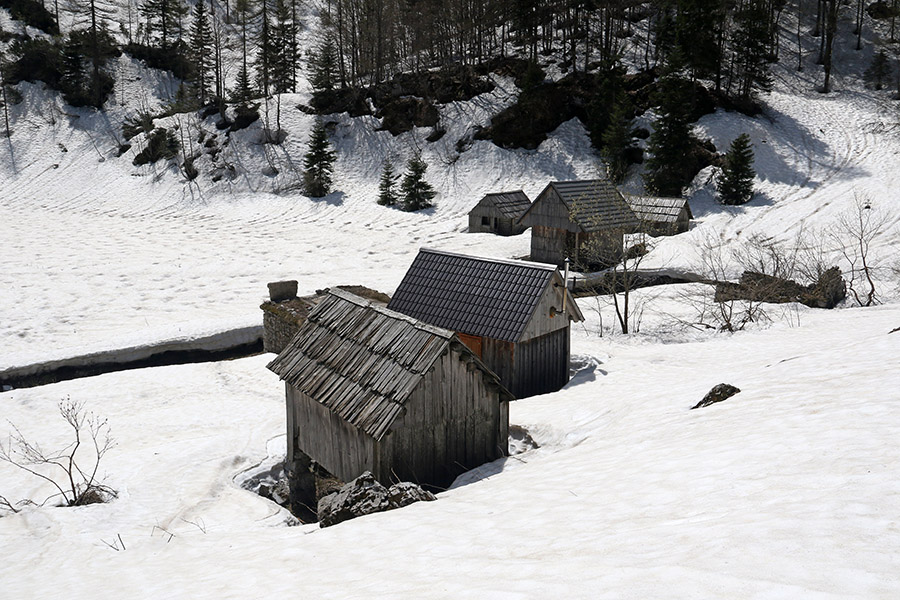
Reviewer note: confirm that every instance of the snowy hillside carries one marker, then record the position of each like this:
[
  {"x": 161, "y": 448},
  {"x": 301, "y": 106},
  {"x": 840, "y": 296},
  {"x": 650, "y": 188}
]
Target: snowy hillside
[{"x": 787, "y": 490}]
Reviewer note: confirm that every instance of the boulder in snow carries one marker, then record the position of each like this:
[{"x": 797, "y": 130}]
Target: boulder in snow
[
  {"x": 364, "y": 496},
  {"x": 720, "y": 392}
]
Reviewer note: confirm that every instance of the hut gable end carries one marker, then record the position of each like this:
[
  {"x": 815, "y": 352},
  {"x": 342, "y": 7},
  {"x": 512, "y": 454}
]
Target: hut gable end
[{"x": 587, "y": 205}]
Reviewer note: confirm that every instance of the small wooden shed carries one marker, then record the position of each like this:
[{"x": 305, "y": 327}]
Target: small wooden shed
[
  {"x": 370, "y": 389},
  {"x": 661, "y": 216},
  {"x": 499, "y": 213},
  {"x": 584, "y": 221},
  {"x": 513, "y": 314}
]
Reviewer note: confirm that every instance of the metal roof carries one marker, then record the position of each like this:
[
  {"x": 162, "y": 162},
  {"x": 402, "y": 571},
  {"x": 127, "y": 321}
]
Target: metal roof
[
  {"x": 486, "y": 297},
  {"x": 510, "y": 204},
  {"x": 657, "y": 209},
  {"x": 594, "y": 204},
  {"x": 359, "y": 360}
]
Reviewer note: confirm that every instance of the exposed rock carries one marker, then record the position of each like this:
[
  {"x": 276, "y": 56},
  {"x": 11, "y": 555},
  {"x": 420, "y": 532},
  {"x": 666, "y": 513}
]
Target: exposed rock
[
  {"x": 827, "y": 292},
  {"x": 720, "y": 392},
  {"x": 402, "y": 114},
  {"x": 364, "y": 496},
  {"x": 405, "y": 493}
]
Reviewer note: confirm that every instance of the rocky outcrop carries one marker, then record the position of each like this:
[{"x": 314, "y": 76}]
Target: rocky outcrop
[
  {"x": 827, "y": 292},
  {"x": 364, "y": 496},
  {"x": 720, "y": 392}
]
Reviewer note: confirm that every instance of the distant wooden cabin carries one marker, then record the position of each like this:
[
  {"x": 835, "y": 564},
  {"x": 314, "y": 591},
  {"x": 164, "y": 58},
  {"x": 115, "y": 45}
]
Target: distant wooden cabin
[
  {"x": 284, "y": 312},
  {"x": 661, "y": 216},
  {"x": 499, "y": 213},
  {"x": 584, "y": 221},
  {"x": 370, "y": 389},
  {"x": 510, "y": 313}
]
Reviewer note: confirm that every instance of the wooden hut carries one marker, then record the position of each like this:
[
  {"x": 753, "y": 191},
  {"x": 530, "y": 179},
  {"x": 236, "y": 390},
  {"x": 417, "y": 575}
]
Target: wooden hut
[
  {"x": 661, "y": 216},
  {"x": 499, "y": 213},
  {"x": 513, "y": 314},
  {"x": 370, "y": 389},
  {"x": 584, "y": 221}
]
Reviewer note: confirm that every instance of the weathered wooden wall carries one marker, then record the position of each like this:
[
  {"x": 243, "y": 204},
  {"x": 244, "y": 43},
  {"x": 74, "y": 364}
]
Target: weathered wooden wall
[
  {"x": 542, "y": 364},
  {"x": 499, "y": 224},
  {"x": 548, "y": 245},
  {"x": 454, "y": 421},
  {"x": 338, "y": 446}
]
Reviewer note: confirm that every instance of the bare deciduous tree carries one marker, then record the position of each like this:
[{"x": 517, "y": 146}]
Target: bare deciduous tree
[
  {"x": 73, "y": 474},
  {"x": 854, "y": 232}
]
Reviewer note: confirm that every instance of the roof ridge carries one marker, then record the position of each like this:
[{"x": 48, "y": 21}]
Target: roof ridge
[
  {"x": 391, "y": 314},
  {"x": 508, "y": 261}
]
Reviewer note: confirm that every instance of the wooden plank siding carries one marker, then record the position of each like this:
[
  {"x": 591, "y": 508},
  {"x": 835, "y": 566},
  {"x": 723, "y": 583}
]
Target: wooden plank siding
[{"x": 446, "y": 429}]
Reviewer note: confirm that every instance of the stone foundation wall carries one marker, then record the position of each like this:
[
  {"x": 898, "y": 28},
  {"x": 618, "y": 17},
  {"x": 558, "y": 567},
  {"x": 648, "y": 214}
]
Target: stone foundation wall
[{"x": 277, "y": 332}]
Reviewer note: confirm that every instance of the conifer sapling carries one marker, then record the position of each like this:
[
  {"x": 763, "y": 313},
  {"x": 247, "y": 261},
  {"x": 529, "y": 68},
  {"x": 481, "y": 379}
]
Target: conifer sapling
[
  {"x": 387, "y": 195},
  {"x": 318, "y": 163},
  {"x": 417, "y": 193},
  {"x": 735, "y": 182}
]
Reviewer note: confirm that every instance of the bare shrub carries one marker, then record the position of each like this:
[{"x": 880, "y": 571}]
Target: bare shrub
[
  {"x": 854, "y": 232},
  {"x": 71, "y": 470}
]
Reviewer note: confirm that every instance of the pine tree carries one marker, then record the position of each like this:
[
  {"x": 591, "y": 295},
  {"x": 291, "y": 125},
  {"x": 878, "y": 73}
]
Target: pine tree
[
  {"x": 243, "y": 91},
  {"x": 283, "y": 34},
  {"x": 163, "y": 16},
  {"x": 265, "y": 51},
  {"x": 201, "y": 50},
  {"x": 387, "y": 195},
  {"x": 879, "y": 71},
  {"x": 416, "y": 192},
  {"x": 671, "y": 139},
  {"x": 324, "y": 67},
  {"x": 735, "y": 182},
  {"x": 617, "y": 142},
  {"x": 318, "y": 163},
  {"x": 751, "y": 50}
]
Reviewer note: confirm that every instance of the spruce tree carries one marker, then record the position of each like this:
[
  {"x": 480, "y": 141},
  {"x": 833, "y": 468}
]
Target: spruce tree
[
  {"x": 163, "y": 16},
  {"x": 671, "y": 140},
  {"x": 243, "y": 91},
  {"x": 416, "y": 192},
  {"x": 735, "y": 182},
  {"x": 387, "y": 195},
  {"x": 201, "y": 51},
  {"x": 318, "y": 163},
  {"x": 283, "y": 34},
  {"x": 879, "y": 71},
  {"x": 751, "y": 73},
  {"x": 324, "y": 67},
  {"x": 617, "y": 141}
]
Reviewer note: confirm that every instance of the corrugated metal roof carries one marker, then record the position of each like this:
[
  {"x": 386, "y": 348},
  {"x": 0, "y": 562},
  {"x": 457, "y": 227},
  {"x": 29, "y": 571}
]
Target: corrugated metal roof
[
  {"x": 479, "y": 296},
  {"x": 594, "y": 204},
  {"x": 657, "y": 209},
  {"x": 511, "y": 204},
  {"x": 359, "y": 360}
]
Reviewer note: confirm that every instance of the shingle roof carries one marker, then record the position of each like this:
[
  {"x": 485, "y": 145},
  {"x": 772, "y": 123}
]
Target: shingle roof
[
  {"x": 657, "y": 209},
  {"x": 511, "y": 204},
  {"x": 595, "y": 204},
  {"x": 477, "y": 296},
  {"x": 359, "y": 360}
]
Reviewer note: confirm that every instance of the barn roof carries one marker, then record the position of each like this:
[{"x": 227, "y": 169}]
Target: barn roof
[
  {"x": 486, "y": 297},
  {"x": 361, "y": 361},
  {"x": 656, "y": 209},
  {"x": 510, "y": 204},
  {"x": 593, "y": 204}
]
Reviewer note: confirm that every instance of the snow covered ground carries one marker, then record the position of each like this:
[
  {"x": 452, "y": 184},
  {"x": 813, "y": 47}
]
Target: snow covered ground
[{"x": 787, "y": 490}]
